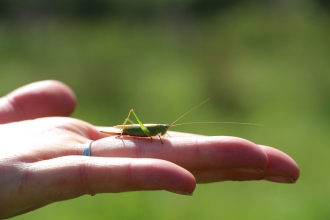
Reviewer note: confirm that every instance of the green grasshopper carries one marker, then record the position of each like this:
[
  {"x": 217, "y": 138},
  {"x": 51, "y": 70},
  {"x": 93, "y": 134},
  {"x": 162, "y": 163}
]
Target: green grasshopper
[{"x": 149, "y": 130}]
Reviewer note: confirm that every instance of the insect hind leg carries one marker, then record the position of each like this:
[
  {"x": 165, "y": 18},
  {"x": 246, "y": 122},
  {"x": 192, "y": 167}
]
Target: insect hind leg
[{"x": 125, "y": 122}]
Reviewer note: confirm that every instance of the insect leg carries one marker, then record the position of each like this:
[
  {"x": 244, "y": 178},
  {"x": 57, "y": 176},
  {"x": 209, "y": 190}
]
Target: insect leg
[
  {"x": 131, "y": 121},
  {"x": 144, "y": 128},
  {"x": 125, "y": 122},
  {"x": 161, "y": 141}
]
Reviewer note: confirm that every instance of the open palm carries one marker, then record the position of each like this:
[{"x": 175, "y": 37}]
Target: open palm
[{"x": 41, "y": 158}]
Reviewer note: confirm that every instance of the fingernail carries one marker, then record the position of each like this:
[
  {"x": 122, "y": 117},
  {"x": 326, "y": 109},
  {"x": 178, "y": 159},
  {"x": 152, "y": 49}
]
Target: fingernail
[
  {"x": 249, "y": 170},
  {"x": 181, "y": 192},
  {"x": 280, "y": 179}
]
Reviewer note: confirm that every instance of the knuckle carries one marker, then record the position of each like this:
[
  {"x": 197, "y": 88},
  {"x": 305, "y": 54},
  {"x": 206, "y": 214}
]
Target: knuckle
[{"x": 84, "y": 170}]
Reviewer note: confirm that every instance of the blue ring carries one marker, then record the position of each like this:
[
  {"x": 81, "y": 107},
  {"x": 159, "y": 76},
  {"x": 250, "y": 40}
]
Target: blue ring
[{"x": 87, "y": 149}]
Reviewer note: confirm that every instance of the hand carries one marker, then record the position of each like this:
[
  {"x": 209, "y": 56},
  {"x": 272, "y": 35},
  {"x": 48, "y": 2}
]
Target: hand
[{"x": 41, "y": 160}]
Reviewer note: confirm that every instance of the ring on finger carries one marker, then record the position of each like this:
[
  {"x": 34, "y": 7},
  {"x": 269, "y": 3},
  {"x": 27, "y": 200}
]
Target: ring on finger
[{"x": 87, "y": 149}]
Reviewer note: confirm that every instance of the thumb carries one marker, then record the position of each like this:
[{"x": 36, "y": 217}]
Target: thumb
[{"x": 39, "y": 99}]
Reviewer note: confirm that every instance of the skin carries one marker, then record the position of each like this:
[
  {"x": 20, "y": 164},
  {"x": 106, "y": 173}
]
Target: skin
[{"x": 40, "y": 162}]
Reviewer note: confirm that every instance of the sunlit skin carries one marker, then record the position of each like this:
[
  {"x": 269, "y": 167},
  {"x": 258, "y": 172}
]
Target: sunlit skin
[{"x": 41, "y": 162}]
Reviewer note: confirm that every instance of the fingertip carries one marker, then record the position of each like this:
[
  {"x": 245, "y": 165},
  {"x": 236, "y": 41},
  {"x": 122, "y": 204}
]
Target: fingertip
[
  {"x": 281, "y": 164},
  {"x": 61, "y": 91},
  {"x": 39, "y": 99},
  {"x": 165, "y": 175}
]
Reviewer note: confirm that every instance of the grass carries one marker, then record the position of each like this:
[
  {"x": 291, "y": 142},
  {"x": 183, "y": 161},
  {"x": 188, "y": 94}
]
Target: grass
[{"x": 257, "y": 65}]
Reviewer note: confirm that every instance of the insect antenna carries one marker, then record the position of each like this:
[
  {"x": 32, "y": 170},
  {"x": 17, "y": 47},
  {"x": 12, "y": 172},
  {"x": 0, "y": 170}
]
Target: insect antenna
[
  {"x": 212, "y": 122},
  {"x": 189, "y": 111}
]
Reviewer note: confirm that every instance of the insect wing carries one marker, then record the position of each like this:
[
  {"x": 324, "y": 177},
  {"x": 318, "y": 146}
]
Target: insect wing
[{"x": 110, "y": 130}]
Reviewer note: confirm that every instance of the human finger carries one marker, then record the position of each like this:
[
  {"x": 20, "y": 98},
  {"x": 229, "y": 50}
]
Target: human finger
[
  {"x": 280, "y": 168},
  {"x": 68, "y": 177},
  {"x": 39, "y": 99},
  {"x": 192, "y": 153}
]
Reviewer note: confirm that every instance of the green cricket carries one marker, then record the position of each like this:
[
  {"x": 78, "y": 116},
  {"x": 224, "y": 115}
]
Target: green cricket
[
  {"x": 145, "y": 130},
  {"x": 150, "y": 130}
]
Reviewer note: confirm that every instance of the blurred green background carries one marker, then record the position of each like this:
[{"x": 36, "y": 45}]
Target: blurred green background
[{"x": 262, "y": 62}]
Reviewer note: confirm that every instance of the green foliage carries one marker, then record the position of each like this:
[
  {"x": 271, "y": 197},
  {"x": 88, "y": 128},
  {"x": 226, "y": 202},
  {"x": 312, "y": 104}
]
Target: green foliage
[{"x": 258, "y": 64}]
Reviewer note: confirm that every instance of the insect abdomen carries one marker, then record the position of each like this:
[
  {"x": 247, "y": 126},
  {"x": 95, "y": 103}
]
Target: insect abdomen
[{"x": 157, "y": 129}]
